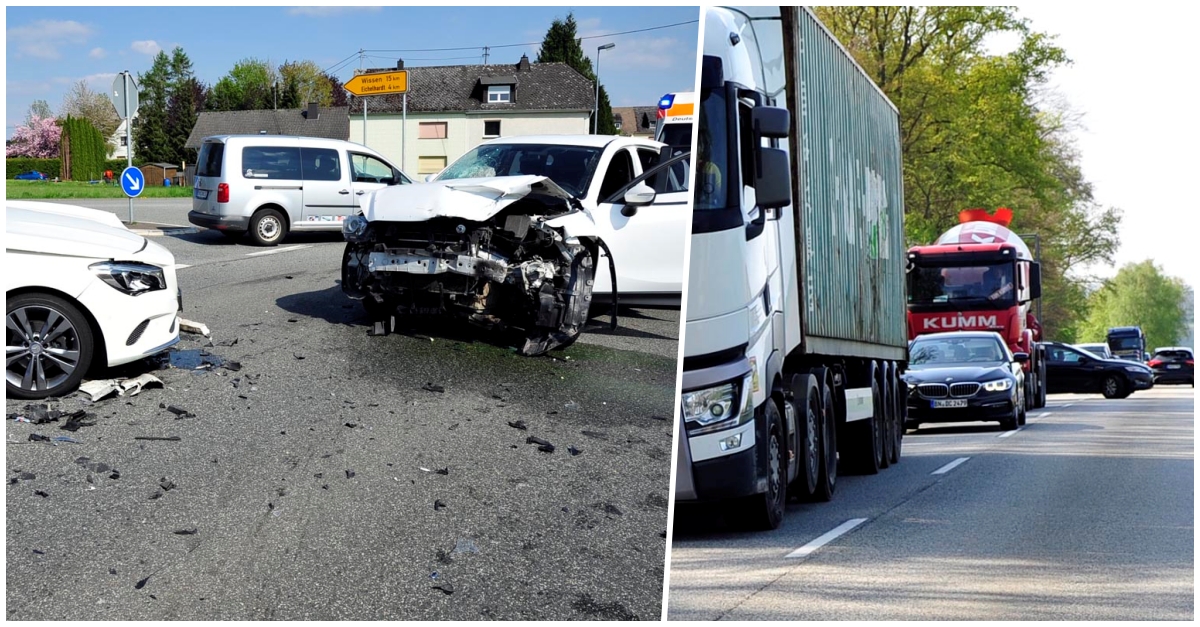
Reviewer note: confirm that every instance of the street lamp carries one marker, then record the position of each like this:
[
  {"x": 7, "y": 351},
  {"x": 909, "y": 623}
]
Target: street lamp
[{"x": 596, "y": 109}]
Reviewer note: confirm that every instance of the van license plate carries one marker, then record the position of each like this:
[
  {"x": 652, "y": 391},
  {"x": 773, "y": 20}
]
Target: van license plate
[
  {"x": 955, "y": 402},
  {"x": 201, "y": 194}
]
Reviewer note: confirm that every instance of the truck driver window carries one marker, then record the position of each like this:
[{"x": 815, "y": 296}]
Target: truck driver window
[{"x": 712, "y": 164}]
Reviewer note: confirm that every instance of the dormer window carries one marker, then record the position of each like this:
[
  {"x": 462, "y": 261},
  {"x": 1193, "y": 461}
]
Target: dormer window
[{"x": 499, "y": 93}]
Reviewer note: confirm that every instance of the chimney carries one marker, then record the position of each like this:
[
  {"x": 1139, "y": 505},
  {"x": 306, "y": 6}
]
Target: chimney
[
  {"x": 523, "y": 66},
  {"x": 399, "y": 64},
  {"x": 313, "y": 111}
]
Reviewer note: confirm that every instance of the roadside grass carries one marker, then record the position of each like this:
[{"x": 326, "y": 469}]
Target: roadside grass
[{"x": 39, "y": 190}]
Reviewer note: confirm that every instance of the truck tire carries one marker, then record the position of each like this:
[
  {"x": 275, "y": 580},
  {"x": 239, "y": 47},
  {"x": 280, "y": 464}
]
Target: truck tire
[
  {"x": 864, "y": 441},
  {"x": 1040, "y": 401},
  {"x": 1030, "y": 383},
  {"x": 766, "y": 510},
  {"x": 889, "y": 416},
  {"x": 827, "y": 481},
  {"x": 899, "y": 404},
  {"x": 806, "y": 402}
]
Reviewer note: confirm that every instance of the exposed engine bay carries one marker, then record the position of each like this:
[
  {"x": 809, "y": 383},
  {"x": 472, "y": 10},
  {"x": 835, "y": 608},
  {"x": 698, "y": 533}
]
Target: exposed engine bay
[{"x": 511, "y": 271}]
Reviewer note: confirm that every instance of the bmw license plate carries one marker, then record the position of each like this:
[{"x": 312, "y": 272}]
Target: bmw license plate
[
  {"x": 954, "y": 402},
  {"x": 201, "y": 194}
]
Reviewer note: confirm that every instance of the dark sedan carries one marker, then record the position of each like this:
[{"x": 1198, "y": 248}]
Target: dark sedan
[
  {"x": 1173, "y": 365},
  {"x": 1071, "y": 369},
  {"x": 965, "y": 376}
]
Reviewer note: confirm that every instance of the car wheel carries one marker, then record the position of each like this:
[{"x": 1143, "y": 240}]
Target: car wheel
[
  {"x": 807, "y": 405},
  {"x": 1113, "y": 387},
  {"x": 268, "y": 227},
  {"x": 1011, "y": 423},
  {"x": 766, "y": 510},
  {"x": 49, "y": 346}
]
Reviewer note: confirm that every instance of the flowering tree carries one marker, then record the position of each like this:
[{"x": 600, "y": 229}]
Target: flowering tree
[{"x": 39, "y": 139}]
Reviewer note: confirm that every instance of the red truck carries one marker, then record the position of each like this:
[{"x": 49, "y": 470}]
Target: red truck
[{"x": 980, "y": 276}]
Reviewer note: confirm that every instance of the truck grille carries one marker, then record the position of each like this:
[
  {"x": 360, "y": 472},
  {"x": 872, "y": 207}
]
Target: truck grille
[{"x": 961, "y": 390}]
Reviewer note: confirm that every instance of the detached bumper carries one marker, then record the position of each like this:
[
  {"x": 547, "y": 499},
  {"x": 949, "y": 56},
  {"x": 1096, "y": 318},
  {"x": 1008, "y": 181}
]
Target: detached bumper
[{"x": 220, "y": 223}]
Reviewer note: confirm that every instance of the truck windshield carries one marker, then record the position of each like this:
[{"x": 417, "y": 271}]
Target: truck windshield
[
  {"x": 1131, "y": 343},
  {"x": 712, "y": 163},
  {"x": 986, "y": 285},
  {"x": 571, "y": 167}
]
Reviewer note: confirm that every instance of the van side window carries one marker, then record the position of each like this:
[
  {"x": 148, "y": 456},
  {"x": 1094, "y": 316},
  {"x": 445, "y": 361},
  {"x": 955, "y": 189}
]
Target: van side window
[
  {"x": 368, "y": 169},
  {"x": 275, "y": 163},
  {"x": 321, "y": 164}
]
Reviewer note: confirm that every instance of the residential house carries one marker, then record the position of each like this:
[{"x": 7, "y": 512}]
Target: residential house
[
  {"x": 635, "y": 121},
  {"x": 452, "y": 109},
  {"x": 116, "y": 144}
]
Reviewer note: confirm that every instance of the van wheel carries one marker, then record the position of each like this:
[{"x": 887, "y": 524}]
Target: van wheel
[{"x": 268, "y": 227}]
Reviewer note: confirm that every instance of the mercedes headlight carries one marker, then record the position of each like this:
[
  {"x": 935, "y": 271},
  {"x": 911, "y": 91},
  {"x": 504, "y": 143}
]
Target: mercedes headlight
[
  {"x": 130, "y": 277},
  {"x": 999, "y": 385},
  {"x": 354, "y": 227},
  {"x": 716, "y": 408}
]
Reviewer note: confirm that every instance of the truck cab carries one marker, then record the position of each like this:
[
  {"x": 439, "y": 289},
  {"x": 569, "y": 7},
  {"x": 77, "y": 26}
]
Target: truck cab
[{"x": 1127, "y": 343}]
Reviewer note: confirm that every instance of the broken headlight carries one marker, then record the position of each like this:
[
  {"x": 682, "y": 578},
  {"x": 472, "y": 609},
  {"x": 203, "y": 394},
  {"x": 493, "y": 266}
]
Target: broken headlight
[
  {"x": 130, "y": 277},
  {"x": 354, "y": 227}
]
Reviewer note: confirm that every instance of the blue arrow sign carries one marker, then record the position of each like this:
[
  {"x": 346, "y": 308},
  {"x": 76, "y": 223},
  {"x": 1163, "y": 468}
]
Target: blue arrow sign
[{"x": 132, "y": 182}]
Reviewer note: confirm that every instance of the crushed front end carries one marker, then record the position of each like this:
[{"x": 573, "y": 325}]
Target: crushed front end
[{"x": 507, "y": 270}]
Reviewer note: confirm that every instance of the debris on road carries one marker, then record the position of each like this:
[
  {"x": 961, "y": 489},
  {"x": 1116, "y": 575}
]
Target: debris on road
[
  {"x": 444, "y": 557},
  {"x": 464, "y": 545},
  {"x": 444, "y": 586},
  {"x": 443, "y": 471},
  {"x": 571, "y": 406},
  {"x": 63, "y": 438},
  {"x": 573, "y": 451},
  {"x": 180, "y": 412},
  {"x": 142, "y": 584},
  {"x": 349, "y": 474},
  {"x": 188, "y": 326},
  {"x": 432, "y": 387},
  {"x": 42, "y": 493},
  {"x": 438, "y": 504},
  {"x": 37, "y": 437},
  {"x": 169, "y": 438},
  {"x": 101, "y": 388},
  {"x": 520, "y": 424},
  {"x": 192, "y": 359},
  {"x": 75, "y": 421},
  {"x": 190, "y": 531},
  {"x": 543, "y": 445},
  {"x": 166, "y": 484}
]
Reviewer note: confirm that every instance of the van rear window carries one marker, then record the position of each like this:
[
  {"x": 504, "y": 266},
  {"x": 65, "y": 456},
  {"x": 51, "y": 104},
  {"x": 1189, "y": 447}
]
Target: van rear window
[
  {"x": 209, "y": 162},
  {"x": 267, "y": 162}
]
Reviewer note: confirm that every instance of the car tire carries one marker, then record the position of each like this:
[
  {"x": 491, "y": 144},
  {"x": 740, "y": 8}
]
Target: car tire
[
  {"x": 1113, "y": 387},
  {"x": 806, "y": 402},
  {"x": 827, "y": 481},
  {"x": 52, "y": 368},
  {"x": 268, "y": 227},
  {"x": 1012, "y": 422},
  {"x": 766, "y": 510}
]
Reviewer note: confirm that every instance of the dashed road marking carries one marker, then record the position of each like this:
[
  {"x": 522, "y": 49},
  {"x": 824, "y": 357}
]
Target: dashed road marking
[
  {"x": 951, "y": 466},
  {"x": 1008, "y": 433},
  {"x": 832, "y": 535},
  {"x": 278, "y": 250}
]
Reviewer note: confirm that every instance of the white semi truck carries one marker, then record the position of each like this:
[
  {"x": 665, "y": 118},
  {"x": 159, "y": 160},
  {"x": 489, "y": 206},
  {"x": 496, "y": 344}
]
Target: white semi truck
[{"x": 796, "y": 335}]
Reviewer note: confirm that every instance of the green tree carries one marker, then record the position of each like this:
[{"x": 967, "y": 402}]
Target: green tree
[
  {"x": 977, "y": 130},
  {"x": 1139, "y": 295},
  {"x": 563, "y": 45},
  {"x": 183, "y": 105},
  {"x": 38, "y": 109},
  {"x": 304, "y": 81},
  {"x": 248, "y": 86},
  {"x": 151, "y": 138}
]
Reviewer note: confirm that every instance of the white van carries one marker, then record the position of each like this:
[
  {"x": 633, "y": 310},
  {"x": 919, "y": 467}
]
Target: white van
[{"x": 271, "y": 185}]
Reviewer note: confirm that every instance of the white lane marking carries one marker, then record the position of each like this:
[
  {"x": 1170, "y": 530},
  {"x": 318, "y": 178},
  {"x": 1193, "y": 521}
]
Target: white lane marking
[
  {"x": 1008, "y": 433},
  {"x": 278, "y": 250},
  {"x": 841, "y": 529},
  {"x": 1041, "y": 415},
  {"x": 180, "y": 266},
  {"x": 951, "y": 466}
]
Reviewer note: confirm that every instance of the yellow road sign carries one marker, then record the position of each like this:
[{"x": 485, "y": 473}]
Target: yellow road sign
[{"x": 376, "y": 84}]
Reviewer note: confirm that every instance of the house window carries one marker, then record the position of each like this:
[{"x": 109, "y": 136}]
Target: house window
[
  {"x": 430, "y": 165},
  {"x": 124, "y": 141},
  {"x": 491, "y": 128},
  {"x": 500, "y": 93},
  {"x": 433, "y": 130}
]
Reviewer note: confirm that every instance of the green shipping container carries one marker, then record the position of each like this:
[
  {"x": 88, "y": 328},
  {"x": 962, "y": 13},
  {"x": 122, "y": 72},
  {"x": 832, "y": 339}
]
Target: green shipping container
[{"x": 849, "y": 182}]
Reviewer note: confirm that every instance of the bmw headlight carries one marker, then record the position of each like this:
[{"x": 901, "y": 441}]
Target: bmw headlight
[
  {"x": 354, "y": 227},
  {"x": 130, "y": 277},
  {"x": 999, "y": 385},
  {"x": 715, "y": 408}
]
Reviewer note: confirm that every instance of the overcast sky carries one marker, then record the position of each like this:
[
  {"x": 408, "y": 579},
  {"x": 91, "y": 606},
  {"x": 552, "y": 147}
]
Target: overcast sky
[{"x": 1134, "y": 80}]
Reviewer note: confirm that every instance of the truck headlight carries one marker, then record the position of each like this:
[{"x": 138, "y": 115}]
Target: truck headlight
[
  {"x": 999, "y": 385},
  {"x": 129, "y": 277},
  {"x": 717, "y": 408},
  {"x": 354, "y": 227}
]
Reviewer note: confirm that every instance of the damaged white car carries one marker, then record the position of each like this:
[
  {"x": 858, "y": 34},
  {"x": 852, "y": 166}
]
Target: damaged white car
[{"x": 501, "y": 252}]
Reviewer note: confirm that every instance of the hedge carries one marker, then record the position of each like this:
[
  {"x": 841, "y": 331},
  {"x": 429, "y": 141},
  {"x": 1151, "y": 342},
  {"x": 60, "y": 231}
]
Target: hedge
[
  {"x": 87, "y": 148},
  {"x": 51, "y": 167}
]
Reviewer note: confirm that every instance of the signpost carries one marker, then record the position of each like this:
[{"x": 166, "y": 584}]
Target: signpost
[
  {"x": 125, "y": 101},
  {"x": 379, "y": 84}
]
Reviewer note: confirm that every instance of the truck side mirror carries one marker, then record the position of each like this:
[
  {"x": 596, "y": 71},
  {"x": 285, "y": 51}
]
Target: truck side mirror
[
  {"x": 771, "y": 122},
  {"x": 1020, "y": 357},
  {"x": 773, "y": 187},
  {"x": 1035, "y": 280}
]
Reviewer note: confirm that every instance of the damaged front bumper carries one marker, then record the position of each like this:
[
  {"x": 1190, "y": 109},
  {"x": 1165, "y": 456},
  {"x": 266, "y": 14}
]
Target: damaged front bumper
[{"x": 509, "y": 271}]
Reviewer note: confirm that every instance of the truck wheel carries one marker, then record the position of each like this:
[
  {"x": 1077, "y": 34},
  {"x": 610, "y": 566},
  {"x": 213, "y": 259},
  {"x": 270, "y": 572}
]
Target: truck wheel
[
  {"x": 864, "y": 440},
  {"x": 268, "y": 227},
  {"x": 889, "y": 416},
  {"x": 1040, "y": 401},
  {"x": 766, "y": 510},
  {"x": 1113, "y": 387},
  {"x": 899, "y": 403},
  {"x": 807, "y": 404},
  {"x": 827, "y": 481},
  {"x": 1030, "y": 384},
  {"x": 1024, "y": 412}
]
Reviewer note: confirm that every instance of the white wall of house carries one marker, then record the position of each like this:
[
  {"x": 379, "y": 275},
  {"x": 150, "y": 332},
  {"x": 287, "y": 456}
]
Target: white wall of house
[
  {"x": 116, "y": 143},
  {"x": 464, "y": 131}
]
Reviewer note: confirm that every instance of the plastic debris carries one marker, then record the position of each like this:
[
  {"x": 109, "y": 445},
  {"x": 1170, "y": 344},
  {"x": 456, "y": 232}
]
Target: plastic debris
[
  {"x": 543, "y": 445},
  {"x": 166, "y": 484},
  {"x": 188, "y": 326},
  {"x": 351, "y": 424},
  {"x": 180, "y": 412},
  {"x": 438, "y": 504},
  {"x": 349, "y": 474},
  {"x": 27, "y": 476},
  {"x": 102, "y": 388},
  {"x": 519, "y": 424},
  {"x": 21, "y": 419},
  {"x": 573, "y": 451},
  {"x": 63, "y": 438},
  {"x": 444, "y": 557},
  {"x": 42, "y": 493},
  {"x": 432, "y": 387},
  {"x": 142, "y": 584},
  {"x": 445, "y": 587},
  {"x": 423, "y": 469},
  {"x": 571, "y": 405},
  {"x": 38, "y": 552},
  {"x": 169, "y": 438},
  {"x": 37, "y": 437},
  {"x": 609, "y": 508},
  {"x": 464, "y": 545},
  {"x": 232, "y": 365},
  {"x": 443, "y": 471},
  {"x": 190, "y": 531},
  {"x": 75, "y": 422}
]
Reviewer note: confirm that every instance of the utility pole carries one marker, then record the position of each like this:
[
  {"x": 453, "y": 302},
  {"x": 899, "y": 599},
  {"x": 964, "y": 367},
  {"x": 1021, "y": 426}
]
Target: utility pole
[
  {"x": 360, "y": 69},
  {"x": 485, "y": 54}
]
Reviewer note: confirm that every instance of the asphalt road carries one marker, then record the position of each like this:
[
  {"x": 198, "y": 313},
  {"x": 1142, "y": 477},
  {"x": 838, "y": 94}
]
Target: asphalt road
[
  {"x": 1086, "y": 513},
  {"x": 310, "y": 475}
]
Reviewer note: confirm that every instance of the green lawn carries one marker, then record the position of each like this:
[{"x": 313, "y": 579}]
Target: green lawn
[{"x": 30, "y": 190}]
